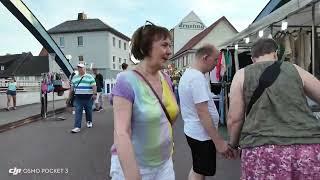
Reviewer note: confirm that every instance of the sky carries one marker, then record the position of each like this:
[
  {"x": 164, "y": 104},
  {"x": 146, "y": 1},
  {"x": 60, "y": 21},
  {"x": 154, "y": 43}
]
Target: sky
[{"x": 123, "y": 15}]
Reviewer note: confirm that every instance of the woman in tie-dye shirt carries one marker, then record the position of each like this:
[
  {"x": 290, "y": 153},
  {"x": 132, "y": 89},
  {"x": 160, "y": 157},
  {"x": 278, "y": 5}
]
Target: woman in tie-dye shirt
[{"x": 142, "y": 132}]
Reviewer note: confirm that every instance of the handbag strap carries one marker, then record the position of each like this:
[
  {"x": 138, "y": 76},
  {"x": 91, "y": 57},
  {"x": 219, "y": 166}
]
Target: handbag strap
[
  {"x": 267, "y": 78},
  {"x": 154, "y": 92}
]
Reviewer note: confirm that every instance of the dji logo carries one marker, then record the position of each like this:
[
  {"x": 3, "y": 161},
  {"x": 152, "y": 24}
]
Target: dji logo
[{"x": 15, "y": 171}]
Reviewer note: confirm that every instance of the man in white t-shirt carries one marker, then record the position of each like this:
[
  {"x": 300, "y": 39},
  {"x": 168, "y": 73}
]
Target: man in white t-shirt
[{"x": 200, "y": 115}]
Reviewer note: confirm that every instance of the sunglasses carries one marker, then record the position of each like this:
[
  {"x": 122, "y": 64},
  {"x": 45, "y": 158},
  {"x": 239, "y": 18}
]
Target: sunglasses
[{"x": 147, "y": 23}]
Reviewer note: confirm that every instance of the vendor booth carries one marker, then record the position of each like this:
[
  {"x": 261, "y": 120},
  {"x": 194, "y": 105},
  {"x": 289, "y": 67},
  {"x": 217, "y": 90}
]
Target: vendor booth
[{"x": 295, "y": 27}]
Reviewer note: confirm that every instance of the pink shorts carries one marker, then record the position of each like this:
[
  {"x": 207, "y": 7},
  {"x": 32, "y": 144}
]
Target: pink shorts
[{"x": 280, "y": 162}]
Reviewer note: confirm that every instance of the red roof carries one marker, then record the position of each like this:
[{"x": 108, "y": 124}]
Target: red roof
[{"x": 196, "y": 39}]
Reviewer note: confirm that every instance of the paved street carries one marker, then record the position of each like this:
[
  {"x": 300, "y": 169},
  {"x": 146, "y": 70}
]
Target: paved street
[{"x": 46, "y": 150}]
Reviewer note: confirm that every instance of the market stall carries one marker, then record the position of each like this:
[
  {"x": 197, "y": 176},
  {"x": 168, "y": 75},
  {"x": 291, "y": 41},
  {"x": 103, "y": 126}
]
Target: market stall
[{"x": 295, "y": 27}]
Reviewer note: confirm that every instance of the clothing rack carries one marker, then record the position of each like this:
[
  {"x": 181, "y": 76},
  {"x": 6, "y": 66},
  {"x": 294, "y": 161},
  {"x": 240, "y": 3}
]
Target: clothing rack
[{"x": 47, "y": 78}]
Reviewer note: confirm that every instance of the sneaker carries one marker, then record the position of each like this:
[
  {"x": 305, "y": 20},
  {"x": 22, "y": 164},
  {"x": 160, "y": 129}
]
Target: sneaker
[
  {"x": 75, "y": 130},
  {"x": 14, "y": 108},
  {"x": 95, "y": 109},
  {"x": 89, "y": 124},
  {"x": 8, "y": 109}
]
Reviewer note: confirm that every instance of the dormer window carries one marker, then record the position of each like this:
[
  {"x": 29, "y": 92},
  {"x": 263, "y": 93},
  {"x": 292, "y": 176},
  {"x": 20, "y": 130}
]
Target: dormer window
[{"x": 2, "y": 67}]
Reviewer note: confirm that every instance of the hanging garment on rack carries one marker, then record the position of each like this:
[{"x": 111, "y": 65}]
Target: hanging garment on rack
[
  {"x": 307, "y": 50},
  {"x": 223, "y": 65},
  {"x": 287, "y": 48},
  {"x": 300, "y": 50},
  {"x": 229, "y": 66},
  {"x": 221, "y": 107},
  {"x": 292, "y": 38},
  {"x": 236, "y": 60},
  {"x": 213, "y": 77},
  {"x": 218, "y": 66},
  {"x": 215, "y": 85}
]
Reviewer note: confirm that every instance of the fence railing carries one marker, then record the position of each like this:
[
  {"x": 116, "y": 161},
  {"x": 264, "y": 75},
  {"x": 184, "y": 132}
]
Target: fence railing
[{"x": 24, "y": 83}]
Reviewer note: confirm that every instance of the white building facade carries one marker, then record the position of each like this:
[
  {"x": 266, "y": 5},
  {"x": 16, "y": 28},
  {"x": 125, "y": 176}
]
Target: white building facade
[
  {"x": 94, "y": 43},
  {"x": 216, "y": 33},
  {"x": 190, "y": 26}
]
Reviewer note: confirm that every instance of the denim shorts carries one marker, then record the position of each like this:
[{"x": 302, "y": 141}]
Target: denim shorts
[
  {"x": 11, "y": 93},
  {"x": 164, "y": 171}
]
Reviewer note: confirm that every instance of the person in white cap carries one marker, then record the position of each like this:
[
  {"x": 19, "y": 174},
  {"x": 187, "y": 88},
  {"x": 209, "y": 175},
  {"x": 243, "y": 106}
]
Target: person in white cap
[{"x": 85, "y": 90}]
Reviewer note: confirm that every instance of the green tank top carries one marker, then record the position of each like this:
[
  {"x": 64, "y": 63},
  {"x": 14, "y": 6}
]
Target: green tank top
[{"x": 281, "y": 116}]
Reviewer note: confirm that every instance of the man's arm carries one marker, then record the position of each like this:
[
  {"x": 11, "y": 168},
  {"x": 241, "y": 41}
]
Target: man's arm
[
  {"x": 199, "y": 91},
  {"x": 207, "y": 123},
  {"x": 236, "y": 112}
]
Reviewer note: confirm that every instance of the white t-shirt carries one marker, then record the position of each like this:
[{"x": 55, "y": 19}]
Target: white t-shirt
[{"x": 194, "y": 89}]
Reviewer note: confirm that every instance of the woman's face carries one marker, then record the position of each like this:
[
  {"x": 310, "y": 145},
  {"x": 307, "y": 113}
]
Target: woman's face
[{"x": 160, "y": 52}]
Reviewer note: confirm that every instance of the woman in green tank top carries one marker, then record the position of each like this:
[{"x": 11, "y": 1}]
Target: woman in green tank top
[
  {"x": 11, "y": 93},
  {"x": 279, "y": 136}
]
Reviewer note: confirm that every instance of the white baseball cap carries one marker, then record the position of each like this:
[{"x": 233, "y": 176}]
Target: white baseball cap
[{"x": 81, "y": 65}]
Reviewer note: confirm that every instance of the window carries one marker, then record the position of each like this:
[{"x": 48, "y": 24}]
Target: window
[
  {"x": 119, "y": 66},
  {"x": 124, "y": 60},
  {"x": 119, "y": 43},
  {"x": 114, "y": 41},
  {"x": 113, "y": 59},
  {"x": 119, "y": 60},
  {"x": 61, "y": 41},
  {"x": 2, "y": 68},
  {"x": 80, "y": 40},
  {"x": 80, "y": 58},
  {"x": 187, "y": 60},
  {"x": 125, "y": 46},
  {"x": 114, "y": 66}
]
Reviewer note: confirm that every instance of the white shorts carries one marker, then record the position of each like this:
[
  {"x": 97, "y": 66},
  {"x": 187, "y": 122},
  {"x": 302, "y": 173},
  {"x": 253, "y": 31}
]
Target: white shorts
[
  {"x": 162, "y": 172},
  {"x": 99, "y": 95}
]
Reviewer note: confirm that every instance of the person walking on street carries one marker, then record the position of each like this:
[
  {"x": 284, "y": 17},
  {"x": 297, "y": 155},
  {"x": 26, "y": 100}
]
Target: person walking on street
[
  {"x": 144, "y": 111},
  {"x": 85, "y": 90},
  {"x": 200, "y": 115},
  {"x": 100, "y": 85},
  {"x": 270, "y": 119},
  {"x": 11, "y": 93}
]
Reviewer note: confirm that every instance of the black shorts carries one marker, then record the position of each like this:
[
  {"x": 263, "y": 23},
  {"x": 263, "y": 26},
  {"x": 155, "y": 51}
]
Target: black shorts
[{"x": 203, "y": 156}]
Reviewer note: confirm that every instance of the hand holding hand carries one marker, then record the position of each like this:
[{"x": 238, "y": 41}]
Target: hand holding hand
[{"x": 223, "y": 148}]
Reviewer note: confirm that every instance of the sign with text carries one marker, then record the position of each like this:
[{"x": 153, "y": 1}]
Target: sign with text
[{"x": 191, "y": 25}]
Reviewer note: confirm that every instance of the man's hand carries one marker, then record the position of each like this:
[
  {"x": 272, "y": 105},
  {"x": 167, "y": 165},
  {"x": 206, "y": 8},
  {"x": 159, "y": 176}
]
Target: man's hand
[{"x": 225, "y": 150}]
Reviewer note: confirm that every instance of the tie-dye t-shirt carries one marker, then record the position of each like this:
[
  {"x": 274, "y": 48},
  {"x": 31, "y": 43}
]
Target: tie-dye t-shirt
[{"x": 151, "y": 133}]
